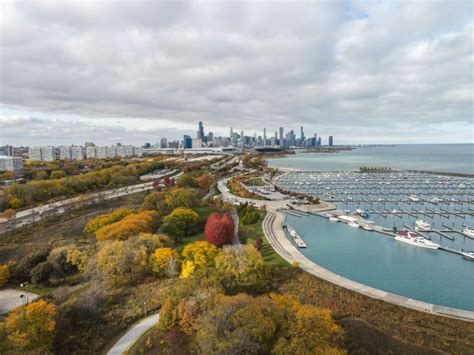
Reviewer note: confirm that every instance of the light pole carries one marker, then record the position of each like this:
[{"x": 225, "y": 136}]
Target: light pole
[
  {"x": 144, "y": 305},
  {"x": 25, "y": 285}
]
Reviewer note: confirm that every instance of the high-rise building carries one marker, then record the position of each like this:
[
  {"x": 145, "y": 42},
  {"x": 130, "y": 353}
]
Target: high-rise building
[
  {"x": 163, "y": 143},
  {"x": 10, "y": 163},
  {"x": 48, "y": 153},
  {"x": 6, "y": 150},
  {"x": 110, "y": 152},
  {"x": 319, "y": 141},
  {"x": 91, "y": 152},
  {"x": 331, "y": 141},
  {"x": 187, "y": 142},
  {"x": 196, "y": 143},
  {"x": 302, "y": 137},
  {"x": 282, "y": 140},
  {"x": 64, "y": 153},
  {"x": 200, "y": 134},
  {"x": 231, "y": 133},
  {"x": 77, "y": 153},
  {"x": 101, "y": 152},
  {"x": 265, "y": 136}
]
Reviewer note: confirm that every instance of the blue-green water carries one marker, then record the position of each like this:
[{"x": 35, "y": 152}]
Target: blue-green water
[
  {"x": 379, "y": 261},
  {"x": 433, "y": 276},
  {"x": 431, "y": 157}
]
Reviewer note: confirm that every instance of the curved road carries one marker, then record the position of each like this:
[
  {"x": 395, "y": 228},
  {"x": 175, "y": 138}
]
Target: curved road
[{"x": 132, "y": 335}]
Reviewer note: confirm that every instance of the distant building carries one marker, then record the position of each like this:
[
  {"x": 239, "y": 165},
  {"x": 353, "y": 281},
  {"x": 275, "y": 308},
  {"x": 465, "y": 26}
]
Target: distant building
[
  {"x": 173, "y": 144},
  {"x": 196, "y": 143},
  {"x": 64, "y": 153},
  {"x": 110, "y": 152},
  {"x": 91, "y": 152},
  {"x": 163, "y": 143},
  {"x": 331, "y": 141},
  {"x": 42, "y": 153},
  {"x": 10, "y": 163},
  {"x": 6, "y": 150},
  {"x": 282, "y": 140},
  {"x": 187, "y": 142},
  {"x": 200, "y": 133}
]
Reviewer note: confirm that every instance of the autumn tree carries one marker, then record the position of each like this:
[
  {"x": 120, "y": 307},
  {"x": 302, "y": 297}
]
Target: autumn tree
[
  {"x": 240, "y": 265},
  {"x": 105, "y": 219},
  {"x": 165, "y": 262},
  {"x": 219, "y": 229},
  {"x": 4, "y": 274},
  {"x": 78, "y": 258},
  {"x": 197, "y": 256},
  {"x": 237, "y": 324},
  {"x": 31, "y": 328},
  {"x": 205, "y": 181},
  {"x": 131, "y": 225},
  {"x": 179, "y": 223},
  {"x": 153, "y": 241},
  {"x": 118, "y": 262}
]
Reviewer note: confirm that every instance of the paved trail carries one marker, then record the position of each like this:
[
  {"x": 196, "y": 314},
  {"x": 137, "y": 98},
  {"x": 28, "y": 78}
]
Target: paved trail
[{"x": 132, "y": 335}]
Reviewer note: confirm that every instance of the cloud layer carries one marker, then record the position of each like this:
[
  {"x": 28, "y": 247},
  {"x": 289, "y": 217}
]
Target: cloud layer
[{"x": 359, "y": 70}]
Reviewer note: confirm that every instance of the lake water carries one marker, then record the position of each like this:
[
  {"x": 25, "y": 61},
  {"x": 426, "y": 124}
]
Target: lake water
[
  {"x": 431, "y": 157},
  {"x": 379, "y": 261},
  {"x": 433, "y": 276}
]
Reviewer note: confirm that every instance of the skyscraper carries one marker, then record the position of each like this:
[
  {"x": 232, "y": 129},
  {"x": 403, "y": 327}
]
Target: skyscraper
[
  {"x": 282, "y": 140},
  {"x": 187, "y": 142},
  {"x": 330, "y": 141},
  {"x": 200, "y": 133},
  {"x": 264, "y": 136},
  {"x": 302, "y": 137}
]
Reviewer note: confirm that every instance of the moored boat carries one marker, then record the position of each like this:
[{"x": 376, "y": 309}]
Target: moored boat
[
  {"x": 412, "y": 238},
  {"x": 469, "y": 231},
  {"x": 469, "y": 255},
  {"x": 353, "y": 225},
  {"x": 422, "y": 225}
]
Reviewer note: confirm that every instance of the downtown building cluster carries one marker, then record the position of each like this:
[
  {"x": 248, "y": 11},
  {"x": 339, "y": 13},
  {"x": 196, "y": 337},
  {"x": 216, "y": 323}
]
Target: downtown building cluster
[{"x": 240, "y": 140}]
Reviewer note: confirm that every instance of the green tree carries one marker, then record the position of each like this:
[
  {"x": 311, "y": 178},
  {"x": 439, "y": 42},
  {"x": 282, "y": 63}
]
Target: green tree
[
  {"x": 165, "y": 262},
  {"x": 180, "y": 222}
]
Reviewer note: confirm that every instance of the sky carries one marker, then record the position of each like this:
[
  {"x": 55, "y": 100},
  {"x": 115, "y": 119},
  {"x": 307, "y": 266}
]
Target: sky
[{"x": 368, "y": 71}]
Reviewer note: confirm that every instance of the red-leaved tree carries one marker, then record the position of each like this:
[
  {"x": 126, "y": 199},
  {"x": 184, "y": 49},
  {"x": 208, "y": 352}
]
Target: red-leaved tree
[{"x": 219, "y": 229}]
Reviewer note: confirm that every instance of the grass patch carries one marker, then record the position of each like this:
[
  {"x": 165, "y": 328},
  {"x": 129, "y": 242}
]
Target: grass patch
[
  {"x": 249, "y": 233},
  {"x": 254, "y": 181}
]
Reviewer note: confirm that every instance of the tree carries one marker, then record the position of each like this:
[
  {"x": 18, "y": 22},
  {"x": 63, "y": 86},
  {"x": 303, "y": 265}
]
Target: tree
[
  {"x": 153, "y": 241},
  {"x": 4, "y": 274},
  {"x": 180, "y": 222},
  {"x": 240, "y": 265},
  {"x": 31, "y": 327},
  {"x": 165, "y": 262},
  {"x": 310, "y": 329},
  {"x": 105, "y": 219},
  {"x": 77, "y": 258},
  {"x": 205, "y": 181},
  {"x": 41, "y": 273},
  {"x": 237, "y": 324},
  {"x": 118, "y": 262},
  {"x": 28, "y": 262},
  {"x": 219, "y": 229},
  {"x": 186, "y": 180},
  {"x": 201, "y": 254},
  {"x": 131, "y": 225}
]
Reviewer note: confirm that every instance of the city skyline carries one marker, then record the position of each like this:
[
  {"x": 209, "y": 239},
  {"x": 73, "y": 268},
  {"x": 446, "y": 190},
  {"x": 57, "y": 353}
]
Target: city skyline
[{"x": 366, "y": 72}]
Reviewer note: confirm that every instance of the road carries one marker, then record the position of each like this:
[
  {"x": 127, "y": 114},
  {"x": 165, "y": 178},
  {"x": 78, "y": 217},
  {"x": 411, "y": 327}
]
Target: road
[
  {"x": 10, "y": 299},
  {"x": 132, "y": 335},
  {"x": 31, "y": 215}
]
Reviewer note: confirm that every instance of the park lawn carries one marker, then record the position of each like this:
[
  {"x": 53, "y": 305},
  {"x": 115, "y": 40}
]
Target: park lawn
[
  {"x": 254, "y": 181},
  {"x": 250, "y": 233},
  {"x": 179, "y": 246}
]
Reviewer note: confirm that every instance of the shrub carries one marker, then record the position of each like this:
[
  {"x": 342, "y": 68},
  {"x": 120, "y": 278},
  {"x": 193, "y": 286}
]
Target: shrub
[
  {"x": 28, "y": 262},
  {"x": 41, "y": 273},
  {"x": 180, "y": 222},
  {"x": 4, "y": 274}
]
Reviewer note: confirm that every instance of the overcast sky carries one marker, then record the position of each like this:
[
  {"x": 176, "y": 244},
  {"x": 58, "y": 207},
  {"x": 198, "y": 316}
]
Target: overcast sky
[{"x": 363, "y": 71}]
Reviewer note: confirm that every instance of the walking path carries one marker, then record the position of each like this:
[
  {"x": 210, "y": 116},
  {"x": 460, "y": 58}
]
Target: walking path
[
  {"x": 273, "y": 229},
  {"x": 132, "y": 335}
]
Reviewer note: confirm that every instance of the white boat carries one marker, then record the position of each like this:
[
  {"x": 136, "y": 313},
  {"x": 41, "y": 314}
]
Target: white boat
[
  {"x": 354, "y": 225},
  {"x": 469, "y": 255},
  {"x": 295, "y": 236},
  {"x": 412, "y": 238},
  {"x": 333, "y": 219},
  {"x": 414, "y": 198},
  {"x": 422, "y": 225},
  {"x": 367, "y": 225},
  {"x": 469, "y": 231},
  {"x": 435, "y": 200}
]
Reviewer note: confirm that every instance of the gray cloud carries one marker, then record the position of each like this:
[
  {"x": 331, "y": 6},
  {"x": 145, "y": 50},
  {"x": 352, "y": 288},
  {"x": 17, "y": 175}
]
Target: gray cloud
[{"x": 339, "y": 67}]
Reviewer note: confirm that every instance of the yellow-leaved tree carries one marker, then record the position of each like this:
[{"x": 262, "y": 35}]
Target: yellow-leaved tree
[
  {"x": 31, "y": 328},
  {"x": 118, "y": 262},
  {"x": 165, "y": 262},
  {"x": 131, "y": 225},
  {"x": 4, "y": 274},
  {"x": 197, "y": 256}
]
